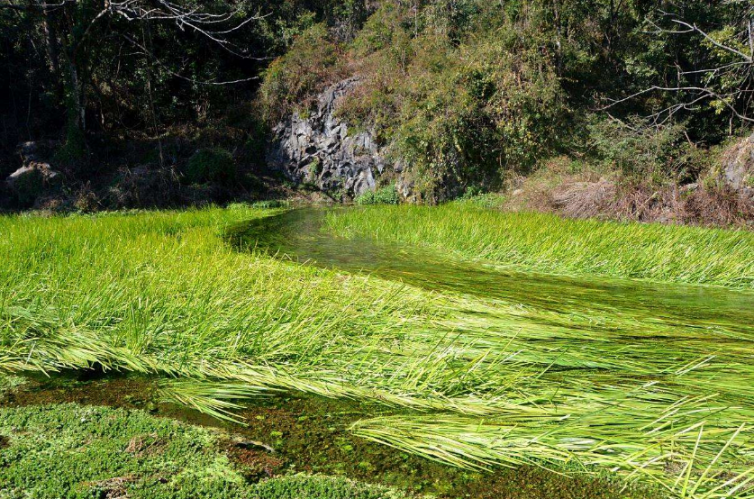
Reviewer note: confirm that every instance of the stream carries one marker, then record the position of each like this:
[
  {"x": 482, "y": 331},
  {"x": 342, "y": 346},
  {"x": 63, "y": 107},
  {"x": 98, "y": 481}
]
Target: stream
[{"x": 301, "y": 235}]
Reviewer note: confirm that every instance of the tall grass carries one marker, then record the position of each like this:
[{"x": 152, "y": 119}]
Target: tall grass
[
  {"x": 476, "y": 382},
  {"x": 549, "y": 244}
]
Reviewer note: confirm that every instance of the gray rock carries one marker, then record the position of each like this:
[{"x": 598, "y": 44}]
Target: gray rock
[
  {"x": 35, "y": 150},
  {"x": 31, "y": 180},
  {"x": 34, "y": 169},
  {"x": 320, "y": 150},
  {"x": 738, "y": 164}
]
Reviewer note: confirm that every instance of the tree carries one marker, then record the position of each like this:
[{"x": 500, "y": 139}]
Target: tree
[
  {"x": 722, "y": 78},
  {"x": 75, "y": 29}
]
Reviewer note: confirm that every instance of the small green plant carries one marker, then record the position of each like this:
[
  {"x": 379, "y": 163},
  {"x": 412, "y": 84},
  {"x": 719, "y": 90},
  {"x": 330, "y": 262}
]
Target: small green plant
[
  {"x": 211, "y": 165},
  {"x": 315, "y": 168},
  {"x": 384, "y": 195},
  {"x": 271, "y": 203}
]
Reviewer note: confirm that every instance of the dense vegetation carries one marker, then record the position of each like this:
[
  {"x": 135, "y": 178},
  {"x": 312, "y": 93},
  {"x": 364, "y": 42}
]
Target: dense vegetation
[{"x": 467, "y": 93}]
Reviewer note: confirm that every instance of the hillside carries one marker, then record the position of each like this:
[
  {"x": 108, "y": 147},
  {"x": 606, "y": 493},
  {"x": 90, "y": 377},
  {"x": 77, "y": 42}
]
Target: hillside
[{"x": 629, "y": 109}]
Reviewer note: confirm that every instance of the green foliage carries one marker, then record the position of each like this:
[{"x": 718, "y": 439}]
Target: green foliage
[
  {"x": 468, "y": 104},
  {"x": 9, "y": 382},
  {"x": 211, "y": 165},
  {"x": 293, "y": 79},
  {"x": 383, "y": 195},
  {"x": 321, "y": 487},
  {"x": 640, "y": 150}
]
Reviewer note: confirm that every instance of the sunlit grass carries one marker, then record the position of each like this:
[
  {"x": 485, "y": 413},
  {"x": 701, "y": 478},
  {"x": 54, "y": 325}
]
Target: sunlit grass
[
  {"x": 549, "y": 244},
  {"x": 475, "y": 382}
]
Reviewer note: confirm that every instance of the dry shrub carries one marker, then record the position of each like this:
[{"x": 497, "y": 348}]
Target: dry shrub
[
  {"x": 718, "y": 206},
  {"x": 142, "y": 187},
  {"x": 587, "y": 194},
  {"x": 583, "y": 199}
]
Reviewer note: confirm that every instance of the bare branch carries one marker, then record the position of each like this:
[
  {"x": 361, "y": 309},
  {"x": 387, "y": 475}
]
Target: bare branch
[
  {"x": 192, "y": 19},
  {"x": 693, "y": 28},
  {"x": 727, "y": 83},
  {"x": 143, "y": 51},
  {"x": 705, "y": 93}
]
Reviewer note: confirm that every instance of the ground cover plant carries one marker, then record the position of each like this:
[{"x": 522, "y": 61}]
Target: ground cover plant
[
  {"x": 471, "y": 380},
  {"x": 68, "y": 450}
]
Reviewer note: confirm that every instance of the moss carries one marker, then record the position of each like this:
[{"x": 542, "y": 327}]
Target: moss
[
  {"x": 92, "y": 452},
  {"x": 321, "y": 487},
  {"x": 9, "y": 382},
  {"x": 71, "y": 451}
]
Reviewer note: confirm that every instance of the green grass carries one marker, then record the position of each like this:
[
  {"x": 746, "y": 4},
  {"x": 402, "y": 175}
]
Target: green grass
[
  {"x": 67, "y": 451},
  {"x": 472, "y": 382},
  {"x": 384, "y": 195},
  {"x": 549, "y": 244}
]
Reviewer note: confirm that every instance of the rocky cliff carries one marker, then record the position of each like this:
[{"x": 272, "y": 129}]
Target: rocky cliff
[{"x": 319, "y": 149}]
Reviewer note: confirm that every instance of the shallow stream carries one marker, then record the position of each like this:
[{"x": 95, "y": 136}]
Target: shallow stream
[{"x": 302, "y": 235}]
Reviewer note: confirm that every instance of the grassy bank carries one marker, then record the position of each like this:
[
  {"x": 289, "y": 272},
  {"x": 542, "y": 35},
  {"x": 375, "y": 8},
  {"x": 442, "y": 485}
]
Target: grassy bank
[
  {"x": 468, "y": 381},
  {"x": 549, "y": 244}
]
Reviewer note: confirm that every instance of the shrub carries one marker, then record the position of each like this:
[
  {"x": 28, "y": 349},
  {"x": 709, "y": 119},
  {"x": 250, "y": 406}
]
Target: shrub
[
  {"x": 641, "y": 150},
  {"x": 460, "y": 107},
  {"x": 385, "y": 195},
  {"x": 291, "y": 81},
  {"x": 211, "y": 165}
]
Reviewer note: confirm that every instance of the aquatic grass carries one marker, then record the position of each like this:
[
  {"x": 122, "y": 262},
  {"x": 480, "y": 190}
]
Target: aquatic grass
[
  {"x": 473, "y": 381},
  {"x": 550, "y": 244}
]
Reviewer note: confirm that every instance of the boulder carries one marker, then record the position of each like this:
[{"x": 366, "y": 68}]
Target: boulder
[
  {"x": 31, "y": 180},
  {"x": 35, "y": 175},
  {"x": 320, "y": 150}
]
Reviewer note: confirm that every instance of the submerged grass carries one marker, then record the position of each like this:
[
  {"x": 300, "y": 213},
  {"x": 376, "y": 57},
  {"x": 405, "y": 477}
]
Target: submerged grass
[
  {"x": 479, "y": 382},
  {"x": 549, "y": 244}
]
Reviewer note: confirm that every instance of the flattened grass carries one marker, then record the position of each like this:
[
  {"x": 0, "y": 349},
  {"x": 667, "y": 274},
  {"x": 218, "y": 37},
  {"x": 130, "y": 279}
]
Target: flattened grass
[
  {"x": 479, "y": 382},
  {"x": 549, "y": 244}
]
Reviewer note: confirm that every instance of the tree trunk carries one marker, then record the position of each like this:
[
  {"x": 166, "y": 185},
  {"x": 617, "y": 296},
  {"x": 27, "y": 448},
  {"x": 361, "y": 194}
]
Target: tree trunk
[
  {"x": 76, "y": 108},
  {"x": 51, "y": 43}
]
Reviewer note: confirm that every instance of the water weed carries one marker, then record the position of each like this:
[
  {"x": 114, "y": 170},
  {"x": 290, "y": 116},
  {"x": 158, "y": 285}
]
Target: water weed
[
  {"x": 558, "y": 374},
  {"x": 549, "y": 244}
]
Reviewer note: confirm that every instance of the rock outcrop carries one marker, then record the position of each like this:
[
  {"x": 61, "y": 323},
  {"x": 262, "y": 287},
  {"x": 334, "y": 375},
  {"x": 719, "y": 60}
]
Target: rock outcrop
[
  {"x": 320, "y": 150},
  {"x": 738, "y": 165}
]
